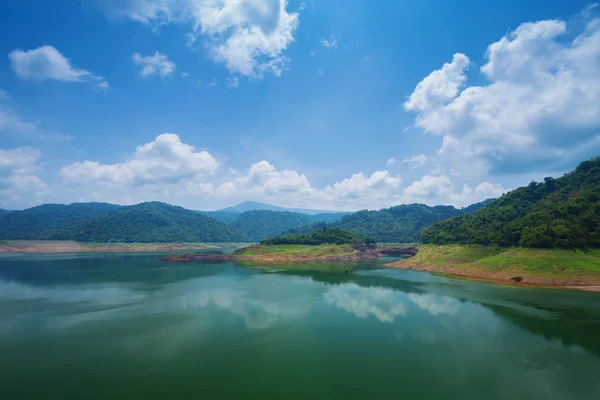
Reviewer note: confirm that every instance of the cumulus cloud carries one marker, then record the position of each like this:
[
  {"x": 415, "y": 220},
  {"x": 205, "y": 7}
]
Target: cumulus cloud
[
  {"x": 157, "y": 64},
  {"x": 380, "y": 186},
  {"x": 46, "y": 62},
  {"x": 539, "y": 108},
  {"x": 165, "y": 159},
  {"x": 415, "y": 161},
  {"x": 264, "y": 179},
  {"x": 390, "y": 161},
  {"x": 248, "y": 36},
  {"x": 434, "y": 190}
]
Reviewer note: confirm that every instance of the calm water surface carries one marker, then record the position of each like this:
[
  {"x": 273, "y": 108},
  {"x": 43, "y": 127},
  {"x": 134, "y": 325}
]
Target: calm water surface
[{"x": 130, "y": 326}]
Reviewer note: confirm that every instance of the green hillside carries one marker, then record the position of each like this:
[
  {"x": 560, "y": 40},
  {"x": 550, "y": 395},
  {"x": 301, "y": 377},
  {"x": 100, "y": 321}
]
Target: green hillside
[
  {"x": 400, "y": 224},
  {"x": 562, "y": 213},
  {"x": 263, "y": 224},
  {"x": 152, "y": 222},
  {"x": 324, "y": 236},
  {"x": 42, "y": 222}
]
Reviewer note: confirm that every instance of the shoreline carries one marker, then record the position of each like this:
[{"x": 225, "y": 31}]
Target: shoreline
[
  {"x": 39, "y": 247},
  {"x": 527, "y": 280},
  {"x": 296, "y": 254}
]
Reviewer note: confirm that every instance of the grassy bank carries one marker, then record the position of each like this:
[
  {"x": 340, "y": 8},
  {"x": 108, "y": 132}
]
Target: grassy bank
[
  {"x": 529, "y": 266},
  {"x": 295, "y": 250}
]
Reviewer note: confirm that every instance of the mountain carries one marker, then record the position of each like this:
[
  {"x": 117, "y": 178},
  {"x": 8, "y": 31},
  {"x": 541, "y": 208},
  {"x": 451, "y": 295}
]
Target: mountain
[
  {"x": 4, "y": 212},
  {"x": 563, "y": 212},
  {"x": 326, "y": 236},
  {"x": 152, "y": 222},
  {"x": 43, "y": 221},
  {"x": 263, "y": 224},
  {"x": 399, "y": 224},
  {"x": 254, "y": 205}
]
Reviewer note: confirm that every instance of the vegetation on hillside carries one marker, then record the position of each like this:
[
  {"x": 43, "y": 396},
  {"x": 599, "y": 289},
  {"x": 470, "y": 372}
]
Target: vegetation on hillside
[
  {"x": 152, "y": 222},
  {"x": 324, "y": 236},
  {"x": 561, "y": 213},
  {"x": 492, "y": 260},
  {"x": 223, "y": 216},
  {"x": 43, "y": 222},
  {"x": 399, "y": 224},
  {"x": 295, "y": 250},
  {"x": 4, "y": 212}
]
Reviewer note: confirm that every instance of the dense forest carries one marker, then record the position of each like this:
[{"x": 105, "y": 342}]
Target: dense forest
[
  {"x": 152, "y": 222},
  {"x": 42, "y": 222},
  {"x": 563, "y": 213},
  {"x": 323, "y": 236},
  {"x": 400, "y": 224}
]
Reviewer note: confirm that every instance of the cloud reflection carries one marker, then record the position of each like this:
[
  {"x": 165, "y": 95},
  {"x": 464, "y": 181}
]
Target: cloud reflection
[{"x": 383, "y": 304}]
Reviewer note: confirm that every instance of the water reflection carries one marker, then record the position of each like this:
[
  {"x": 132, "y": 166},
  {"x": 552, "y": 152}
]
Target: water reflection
[{"x": 384, "y": 304}]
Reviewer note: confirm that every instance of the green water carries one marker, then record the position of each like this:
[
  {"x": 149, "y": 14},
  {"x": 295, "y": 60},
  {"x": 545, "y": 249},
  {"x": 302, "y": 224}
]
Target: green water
[{"x": 130, "y": 326}]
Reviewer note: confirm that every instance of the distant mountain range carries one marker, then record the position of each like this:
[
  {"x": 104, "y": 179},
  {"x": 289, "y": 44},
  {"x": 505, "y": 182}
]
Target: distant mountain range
[
  {"x": 255, "y": 205},
  {"x": 399, "y": 224},
  {"x": 160, "y": 222},
  {"x": 151, "y": 222}
]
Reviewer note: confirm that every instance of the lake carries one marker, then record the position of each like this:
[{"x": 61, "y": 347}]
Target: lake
[{"x": 82, "y": 326}]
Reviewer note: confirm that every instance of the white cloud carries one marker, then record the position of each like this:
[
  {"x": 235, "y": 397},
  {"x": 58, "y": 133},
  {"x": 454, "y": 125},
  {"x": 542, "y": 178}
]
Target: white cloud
[
  {"x": 415, "y": 161},
  {"x": 155, "y": 64},
  {"x": 248, "y": 36},
  {"x": 379, "y": 187},
  {"x": 46, "y": 62},
  {"x": 232, "y": 82},
  {"x": 264, "y": 179},
  {"x": 166, "y": 159},
  {"x": 331, "y": 42},
  {"x": 18, "y": 177},
  {"x": 391, "y": 161},
  {"x": 435, "y": 190},
  {"x": 440, "y": 86},
  {"x": 539, "y": 109},
  {"x": 11, "y": 121}
]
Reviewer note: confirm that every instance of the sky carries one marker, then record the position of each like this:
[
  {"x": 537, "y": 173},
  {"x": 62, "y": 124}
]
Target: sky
[{"x": 336, "y": 105}]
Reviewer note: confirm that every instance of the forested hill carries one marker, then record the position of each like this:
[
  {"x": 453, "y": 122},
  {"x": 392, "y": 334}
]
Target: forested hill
[
  {"x": 323, "y": 236},
  {"x": 43, "y": 221},
  {"x": 263, "y": 224},
  {"x": 563, "y": 212},
  {"x": 152, "y": 222},
  {"x": 400, "y": 224},
  {"x": 3, "y": 211}
]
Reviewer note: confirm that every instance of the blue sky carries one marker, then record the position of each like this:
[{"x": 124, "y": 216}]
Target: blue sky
[{"x": 326, "y": 104}]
